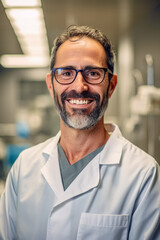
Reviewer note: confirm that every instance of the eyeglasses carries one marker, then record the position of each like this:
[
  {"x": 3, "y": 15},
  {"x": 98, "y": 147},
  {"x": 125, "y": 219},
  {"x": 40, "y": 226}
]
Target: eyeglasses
[{"x": 92, "y": 75}]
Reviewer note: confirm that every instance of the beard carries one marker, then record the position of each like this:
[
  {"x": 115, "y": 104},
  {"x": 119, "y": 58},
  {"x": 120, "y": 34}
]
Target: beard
[{"x": 80, "y": 119}]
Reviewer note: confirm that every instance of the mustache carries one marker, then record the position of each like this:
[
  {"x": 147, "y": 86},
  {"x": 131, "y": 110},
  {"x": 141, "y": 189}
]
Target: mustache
[{"x": 74, "y": 94}]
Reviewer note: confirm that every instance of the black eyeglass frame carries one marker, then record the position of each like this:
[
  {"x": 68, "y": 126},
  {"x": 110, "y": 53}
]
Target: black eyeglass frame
[{"x": 82, "y": 72}]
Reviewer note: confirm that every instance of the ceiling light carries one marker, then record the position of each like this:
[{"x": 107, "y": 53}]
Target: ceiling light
[
  {"x": 21, "y": 3},
  {"x": 29, "y": 27},
  {"x": 27, "y": 20},
  {"x": 23, "y": 61}
]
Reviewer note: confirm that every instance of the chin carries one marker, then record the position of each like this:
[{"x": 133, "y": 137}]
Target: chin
[{"x": 80, "y": 122}]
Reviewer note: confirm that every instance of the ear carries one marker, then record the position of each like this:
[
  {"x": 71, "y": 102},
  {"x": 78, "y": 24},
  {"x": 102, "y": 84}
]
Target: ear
[
  {"x": 113, "y": 84},
  {"x": 49, "y": 84}
]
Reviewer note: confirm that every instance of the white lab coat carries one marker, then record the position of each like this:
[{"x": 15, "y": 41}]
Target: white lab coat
[{"x": 115, "y": 197}]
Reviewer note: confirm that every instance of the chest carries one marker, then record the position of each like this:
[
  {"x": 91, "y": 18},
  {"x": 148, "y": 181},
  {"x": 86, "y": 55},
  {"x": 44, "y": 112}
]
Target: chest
[{"x": 93, "y": 204}]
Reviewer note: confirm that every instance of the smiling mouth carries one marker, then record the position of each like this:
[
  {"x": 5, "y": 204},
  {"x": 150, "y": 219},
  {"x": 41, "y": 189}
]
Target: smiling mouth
[{"x": 80, "y": 101}]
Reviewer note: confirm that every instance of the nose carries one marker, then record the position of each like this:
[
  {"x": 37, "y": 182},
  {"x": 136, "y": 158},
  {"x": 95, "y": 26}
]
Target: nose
[{"x": 79, "y": 83}]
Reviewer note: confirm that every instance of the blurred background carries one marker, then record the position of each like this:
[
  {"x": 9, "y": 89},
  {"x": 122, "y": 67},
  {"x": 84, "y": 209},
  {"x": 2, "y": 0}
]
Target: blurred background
[{"x": 28, "y": 28}]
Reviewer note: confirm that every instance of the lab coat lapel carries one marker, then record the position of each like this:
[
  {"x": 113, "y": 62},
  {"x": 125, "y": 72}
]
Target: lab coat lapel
[
  {"x": 51, "y": 173},
  {"x": 85, "y": 181},
  {"x": 50, "y": 170}
]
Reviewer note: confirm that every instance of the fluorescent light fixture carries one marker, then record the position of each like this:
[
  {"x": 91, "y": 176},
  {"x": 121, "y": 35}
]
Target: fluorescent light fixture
[
  {"x": 23, "y": 61},
  {"x": 24, "y": 13},
  {"x": 29, "y": 22},
  {"x": 29, "y": 27},
  {"x": 21, "y": 3}
]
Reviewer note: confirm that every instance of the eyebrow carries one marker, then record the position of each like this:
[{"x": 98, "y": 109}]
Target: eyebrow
[
  {"x": 88, "y": 66},
  {"x": 67, "y": 66}
]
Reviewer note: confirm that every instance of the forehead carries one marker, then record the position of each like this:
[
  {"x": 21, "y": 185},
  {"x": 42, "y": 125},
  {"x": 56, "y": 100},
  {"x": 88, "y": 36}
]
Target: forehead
[{"x": 81, "y": 50}]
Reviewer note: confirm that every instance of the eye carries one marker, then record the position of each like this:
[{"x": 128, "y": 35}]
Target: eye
[
  {"x": 93, "y": 73},
  {"x": 66, "y": 73}
]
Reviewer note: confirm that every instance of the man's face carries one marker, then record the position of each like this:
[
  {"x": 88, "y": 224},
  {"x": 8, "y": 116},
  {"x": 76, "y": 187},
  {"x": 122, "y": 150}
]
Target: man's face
[{"x": 81, "y": 104}]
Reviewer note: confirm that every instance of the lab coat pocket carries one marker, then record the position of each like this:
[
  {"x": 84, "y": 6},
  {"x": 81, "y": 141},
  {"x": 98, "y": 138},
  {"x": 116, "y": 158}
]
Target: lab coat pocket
[{"x": 102, "y": 226}]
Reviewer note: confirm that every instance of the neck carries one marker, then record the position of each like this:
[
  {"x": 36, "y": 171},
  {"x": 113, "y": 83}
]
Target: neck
[{"x": 79, "y": 143}]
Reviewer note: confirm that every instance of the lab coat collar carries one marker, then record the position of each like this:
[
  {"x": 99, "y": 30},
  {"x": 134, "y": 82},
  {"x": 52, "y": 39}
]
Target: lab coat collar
[
  {"x": 51, "y": 145},
  {"x": 112, "y": 151}
]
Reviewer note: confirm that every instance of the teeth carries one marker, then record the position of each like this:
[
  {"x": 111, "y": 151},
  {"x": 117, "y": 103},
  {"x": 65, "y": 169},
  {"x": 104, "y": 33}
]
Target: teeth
[{"x": 76, "y": 101}]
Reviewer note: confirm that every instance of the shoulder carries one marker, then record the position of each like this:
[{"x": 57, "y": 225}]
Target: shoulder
[
  {"x": 37, "y": 149},
  {"x": 138, "y": 166},
  {"x": 131, "y": 158},
  {"x": 135, "y": 155},
  {"x": 36, "y": 156}
]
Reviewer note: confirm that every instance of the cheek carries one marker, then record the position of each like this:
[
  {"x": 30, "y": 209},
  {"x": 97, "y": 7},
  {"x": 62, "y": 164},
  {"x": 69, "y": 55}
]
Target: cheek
[
  {"x": 103, "y": 92},
  {"x": 58, "y": 91},
  {"x": 58, "y": 88}
]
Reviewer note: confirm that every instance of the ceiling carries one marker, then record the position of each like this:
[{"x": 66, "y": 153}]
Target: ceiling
[{"x": 114, "y": 17}]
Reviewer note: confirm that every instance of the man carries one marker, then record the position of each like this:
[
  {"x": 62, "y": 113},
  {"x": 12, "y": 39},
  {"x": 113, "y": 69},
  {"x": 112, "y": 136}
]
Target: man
[{"x": 88, "y": 182}]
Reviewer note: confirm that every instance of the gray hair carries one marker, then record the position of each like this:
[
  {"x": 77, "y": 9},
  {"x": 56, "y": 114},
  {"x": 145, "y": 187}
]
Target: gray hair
[{"x": 81, "y": 31}]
